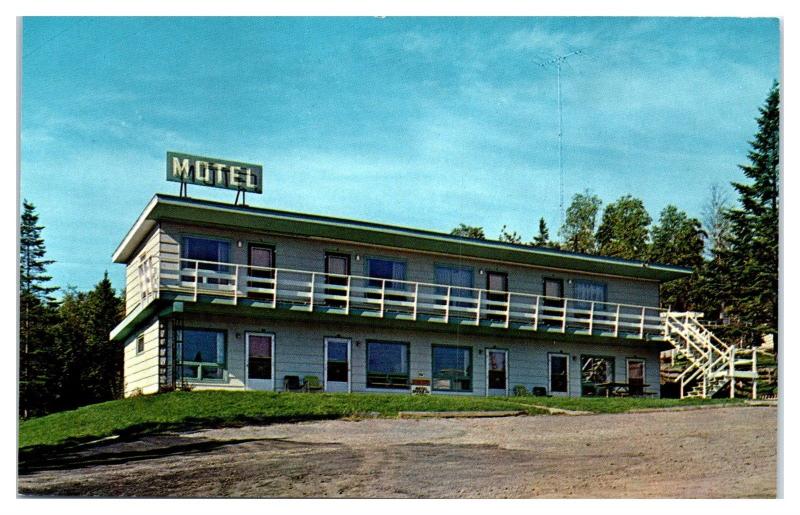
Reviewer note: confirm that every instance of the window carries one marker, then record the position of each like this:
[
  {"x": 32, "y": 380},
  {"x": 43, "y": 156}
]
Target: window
[
  {"x": 207, "y": 253},
  {"x": 202, "y": 354},
  {"x": 455, "y": 276},
  {"x": 140, "y": 344},
  {"x": 387, "y": 365},
  {"x": 595, "y": 370},
  {"x": 452, "y": 368},
  {"x": 591, "y": 291},
  {"x": 337, "y": 360},
  {"x": 386, "y": 269}
]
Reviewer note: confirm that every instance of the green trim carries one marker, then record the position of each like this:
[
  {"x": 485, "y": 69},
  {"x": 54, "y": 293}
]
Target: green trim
[
  {"x": 219, "y": 214},
  {"x": 471, "y": 368}
]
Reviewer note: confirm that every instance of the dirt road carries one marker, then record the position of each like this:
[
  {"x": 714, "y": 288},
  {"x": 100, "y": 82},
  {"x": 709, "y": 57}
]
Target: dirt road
[{"x": 729, "y": 452}]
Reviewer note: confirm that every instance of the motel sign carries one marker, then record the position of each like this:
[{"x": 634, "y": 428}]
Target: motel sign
[{"x": 213, "y": 172}]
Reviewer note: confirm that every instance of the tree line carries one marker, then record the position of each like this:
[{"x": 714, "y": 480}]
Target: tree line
[
  {"x": 733, "y": 251},
  {"x": 66, "y": 359}
]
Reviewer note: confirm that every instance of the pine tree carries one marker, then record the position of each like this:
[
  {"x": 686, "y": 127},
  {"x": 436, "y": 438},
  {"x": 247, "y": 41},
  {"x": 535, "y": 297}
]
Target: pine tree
[
  {"x": 578, "y": 231},
  {"x": 543, "y": 238},
  {"x": 748, "y": 267},
  {"x": 103, "y": 375},
  {"x": 37, "y": 312},
  {"x": 678, "y": 240},
  {"x": 509, "y": 237},
  {"x": 623, "y": 231}
]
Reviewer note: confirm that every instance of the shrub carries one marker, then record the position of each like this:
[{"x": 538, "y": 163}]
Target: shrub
[{"x": 520, "y": 390}]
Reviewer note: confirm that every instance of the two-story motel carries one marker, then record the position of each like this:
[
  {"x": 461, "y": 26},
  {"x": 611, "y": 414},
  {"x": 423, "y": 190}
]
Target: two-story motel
[{"x": 233, "y": 297}]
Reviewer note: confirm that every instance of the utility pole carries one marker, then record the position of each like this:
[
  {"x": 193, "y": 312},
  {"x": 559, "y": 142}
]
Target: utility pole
[{"x": 557, "y": 61}]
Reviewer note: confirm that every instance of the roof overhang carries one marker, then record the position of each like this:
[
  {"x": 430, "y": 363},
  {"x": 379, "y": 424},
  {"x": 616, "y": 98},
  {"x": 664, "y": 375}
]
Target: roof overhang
[{"x": 206, "y": 212}]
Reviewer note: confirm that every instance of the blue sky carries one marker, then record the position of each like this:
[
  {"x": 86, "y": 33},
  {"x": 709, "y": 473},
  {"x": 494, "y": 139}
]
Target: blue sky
[{"x": 424, "y": 122}]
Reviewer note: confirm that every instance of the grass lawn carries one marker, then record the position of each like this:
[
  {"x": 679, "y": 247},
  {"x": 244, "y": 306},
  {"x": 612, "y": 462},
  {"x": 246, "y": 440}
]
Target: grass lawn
[{"x": 191, "y": 410}]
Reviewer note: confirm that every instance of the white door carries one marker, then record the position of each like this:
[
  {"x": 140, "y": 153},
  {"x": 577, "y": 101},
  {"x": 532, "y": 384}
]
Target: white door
[
  {"x": 337, "y": 365},
  {"x": 496, "y": 372},
  {"x": 259, "y": 361}
]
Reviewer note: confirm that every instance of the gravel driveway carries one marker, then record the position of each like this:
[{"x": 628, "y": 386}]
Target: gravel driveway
[{"x": 725, "y": 452}]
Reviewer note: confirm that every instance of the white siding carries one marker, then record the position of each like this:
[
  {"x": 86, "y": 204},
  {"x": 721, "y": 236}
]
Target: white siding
[{"x": 141, "y": 369}]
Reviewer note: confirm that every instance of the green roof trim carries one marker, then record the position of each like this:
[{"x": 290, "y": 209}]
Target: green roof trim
[{"x": 173, "y": 208}]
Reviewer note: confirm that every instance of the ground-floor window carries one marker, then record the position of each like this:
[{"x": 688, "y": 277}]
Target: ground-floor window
[
  {"x": 559, "y": 373},
  {"x": 595, "y": 370},
  {"x": 452, "y": 368},
  {"x": 387, "y": 364},
  {"x": 202, "y": 354}
]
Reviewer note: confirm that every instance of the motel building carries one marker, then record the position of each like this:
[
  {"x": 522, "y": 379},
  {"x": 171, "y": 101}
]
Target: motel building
[{"x": 230, "y": 296}]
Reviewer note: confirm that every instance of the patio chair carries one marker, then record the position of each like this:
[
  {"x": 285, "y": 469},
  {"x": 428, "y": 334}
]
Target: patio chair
[
  {"x": 312, "y": 384},
  {"x": 291, "y": 384}
]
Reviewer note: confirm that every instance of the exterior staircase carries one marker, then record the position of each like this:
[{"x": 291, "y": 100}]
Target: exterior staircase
[{"x": 712, "y": 363}]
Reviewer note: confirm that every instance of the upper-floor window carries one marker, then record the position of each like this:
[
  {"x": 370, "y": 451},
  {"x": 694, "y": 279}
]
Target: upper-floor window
[
  {"x": 379, "y": 268},
  {"x": 206, "y": 251},
  {"x": 450, "y": 275},
  {"x": 589, "y": 290}
]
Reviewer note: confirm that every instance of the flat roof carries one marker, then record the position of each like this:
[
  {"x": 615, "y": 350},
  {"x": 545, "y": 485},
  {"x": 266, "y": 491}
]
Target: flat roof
[{"x": 209, "y": 212}]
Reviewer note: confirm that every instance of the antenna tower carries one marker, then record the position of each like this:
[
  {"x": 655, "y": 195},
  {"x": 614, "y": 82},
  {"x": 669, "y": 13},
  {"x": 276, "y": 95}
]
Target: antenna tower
[{"x": 558, "y": 61}]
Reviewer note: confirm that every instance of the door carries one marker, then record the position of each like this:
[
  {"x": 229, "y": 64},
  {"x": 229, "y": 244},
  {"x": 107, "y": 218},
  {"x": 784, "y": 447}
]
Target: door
[
  {"x": 559, "y": 374},
  {"x": 261, "y": 258},
  {"x": 338, "y": 265},
  {"x": 496, "y": 372},
  {"x": 337, "y": 365},
  {"x": 497, "y": 282},
  {"x": 636, "y": 376},
  {"x": 553, "y": 302},
  {"x": 259, "y": 362}
]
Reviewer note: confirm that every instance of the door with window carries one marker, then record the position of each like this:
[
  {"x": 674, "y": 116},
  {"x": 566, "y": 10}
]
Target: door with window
[
  {"x": 337, "y": 266},
  {"x": 496, "y": 372},
  {"x": 337, "y": 365},
  {"x": 260, "y": 364},
  {"x": 260, "y": 275},
  {"x": 496, "y": 296},
  {"x": 636, "y": 376},
  {"x": 559, "y": 374},
  {"x": 553, "y": 302}
]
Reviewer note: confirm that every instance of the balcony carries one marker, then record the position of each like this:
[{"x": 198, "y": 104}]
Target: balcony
[{"x": 351, "y": 295}]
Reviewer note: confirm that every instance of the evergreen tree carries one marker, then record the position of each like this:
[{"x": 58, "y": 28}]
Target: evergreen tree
[
  {"x": 623, "y": 231},
  {"x": 37, "y": 312},
  {"x": 578, "y": 231},
  {"x": 748, "y": 265},
  {"x": 509, "y": 237},
  {"x": 678, "y": 240},
  {"x": 469, "y": 231},
  {"x": 543, "y": 238}
]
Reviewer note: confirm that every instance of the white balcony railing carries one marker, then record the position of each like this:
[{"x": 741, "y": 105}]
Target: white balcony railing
[{"x": 366, "y": 296}]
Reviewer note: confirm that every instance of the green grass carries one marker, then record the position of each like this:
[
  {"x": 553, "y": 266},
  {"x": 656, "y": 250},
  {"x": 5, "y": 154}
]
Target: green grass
[
  {"x": 191, "y": 410},
  {"x": 616, "y": 404}
]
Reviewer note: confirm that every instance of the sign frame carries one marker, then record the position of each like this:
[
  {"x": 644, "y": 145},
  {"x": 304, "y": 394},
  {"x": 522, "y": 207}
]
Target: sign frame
[{"x": 214, "y": 172}]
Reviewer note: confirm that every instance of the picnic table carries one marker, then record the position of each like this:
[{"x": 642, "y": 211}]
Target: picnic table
[{"x": 614, "y": 389}]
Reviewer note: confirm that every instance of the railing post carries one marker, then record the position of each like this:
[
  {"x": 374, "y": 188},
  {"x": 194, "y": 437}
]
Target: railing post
[
  {"x": 275, "y": 289},
  {"x": 478, "y": 314},
  {"x": 236, "y": 285},
  {"x": 416, "y": 299},
  {"x": 196, "y": 278},
  {"x": 755, "y": 373},
  {"x": 347, "y": 297},
  {"x": 564, "y": 316},
  {"x": 447, "y": 306},
  {"x": 641, "y": 324},
  {"x": 591, "y": 317},
  {"x": 732, "y": 369},
  {"x": 311, "y": 300},
  {"x": 536, "y": 314},
  {"x": 383, "y": 296},
  {"x": 508, "y": 309},
  {"x": 616, "y": 323}
]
